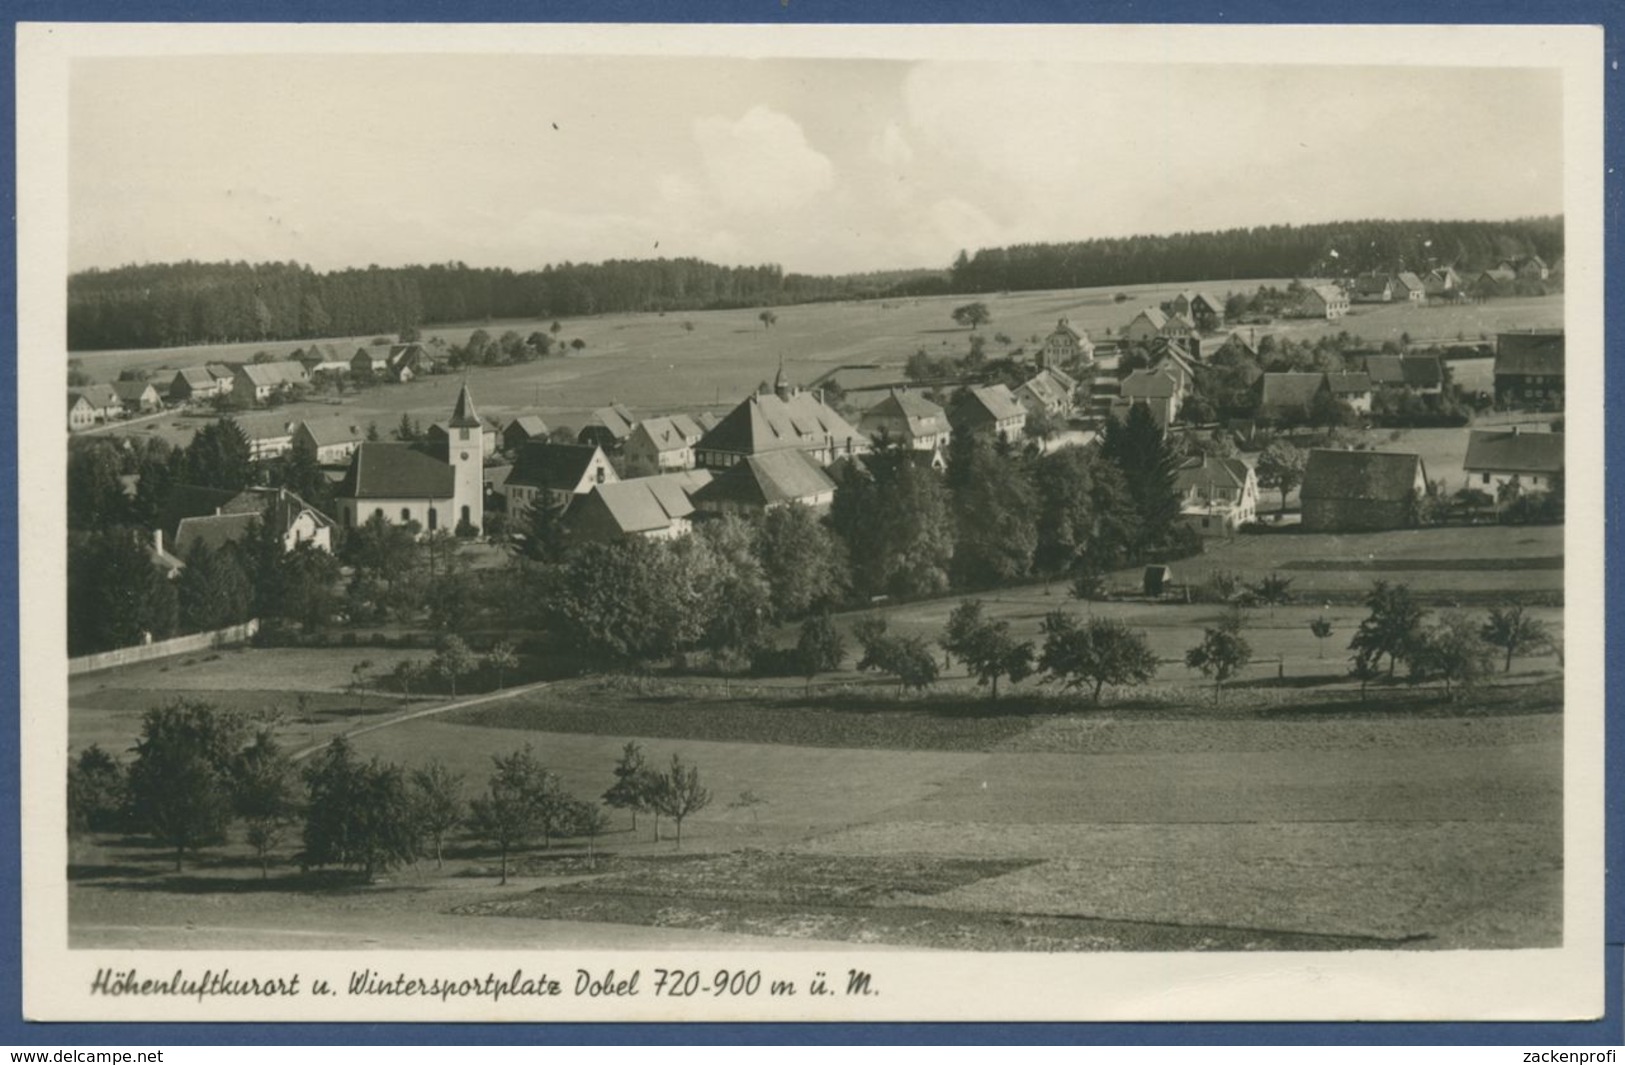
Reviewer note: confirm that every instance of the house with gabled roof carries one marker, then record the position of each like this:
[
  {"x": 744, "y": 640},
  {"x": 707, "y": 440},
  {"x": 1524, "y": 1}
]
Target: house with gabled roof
[
  {"x": 761, "y": 482},
  {"x": 1515, "y": 457},
  {"x": 1362, "y": 491},
  {"x": 194, "y": 514},
  {"x": 654, "y": 508},
  {"x": 1216, "y": 495},
  {"x": 192, "y": 383},
  {"x": 1322, "y": 301},
  {"x": 608, "y": 427},
  {"x": 258, "y": 381},
  {"x": 664, "y": 443},
  {"x": 370, "y": 360},
  {"x": 1409, "y": 287},
  {"x": 1372, "y": 288},
  {"x": 102, "y": 400},
  {"x": 81, "y": 415},
  {"x": 1441, "y": 280},
  {"x": 1533, "y": 268},
  {"x": 1529, "y": 368},
  {"x": 1422, "y": 374},
  {"x": 775, "y": 420},
  {"x": 908, "y": 418},
  {"x": 523, "y": 429},
  {"x": 1203, "y": 309},
  {"x": 402, "y": 485},
  {"x": 1149, "y": 323},
  {"x": 1158, "y": 389},
  {"x": 137, "y": 397},
  {"x": 1066, "y": 346},
  {"x": 1353, "y": 389},
  {"x": 989, "y": 411},
  {"x": 330, "y": 441},
  {"x": 1289, "y": 395},
  {"x": 1049, "y": 391},
  {"x": 552, "y": 475}
]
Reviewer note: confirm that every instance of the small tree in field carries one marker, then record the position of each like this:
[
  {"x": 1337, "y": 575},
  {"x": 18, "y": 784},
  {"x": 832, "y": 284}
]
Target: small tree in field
[
  {"x": 266, "y": 795},
  {"x": 516, "y": 805},
  {"x": 437, "y": 799},
  {"x": 630, "y": 790},
  {"x": 453, "y": 660},
  {"x": 1322, "y": 630},
  {"x": 586, "y": 820},
  {"x": 681, "y": 794},
  {"x": 820, "y": 647},
  {"x": 748, "y": 800},
  {"x": 972, "y": 315},
  {"x": 986, "y": 646},
  {"x": 501, "y": 659},
  {"x": 1222, "y": 654},
  {"x": 1281, "y": 466},
  {"x": 1392, "y": 627},
  {"x": 1272, "y": 591},
  {"x": 1453, "y": 651},
  {"x": 180, "y": 784},
  {"x": 1512, "y": 631},
  {"x": 1094, "y": 653},
  {"x": 768, "y": 318}
]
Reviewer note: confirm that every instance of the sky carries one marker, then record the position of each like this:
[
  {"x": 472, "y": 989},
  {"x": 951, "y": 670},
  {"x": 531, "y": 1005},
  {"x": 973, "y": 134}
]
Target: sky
[{"x": 819, "y": 165}]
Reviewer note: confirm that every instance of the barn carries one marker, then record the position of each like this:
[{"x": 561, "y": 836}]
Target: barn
[{"x": 1362, "y": 491}]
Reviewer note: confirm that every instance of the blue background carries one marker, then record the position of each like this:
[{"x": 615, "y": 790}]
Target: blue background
[{"x": 1237, "y": 12}]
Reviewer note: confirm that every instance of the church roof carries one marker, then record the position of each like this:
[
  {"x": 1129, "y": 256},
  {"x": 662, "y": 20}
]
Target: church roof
[
  {"x": 463, "y": 415},
  {"x": 395, "y": 471}
]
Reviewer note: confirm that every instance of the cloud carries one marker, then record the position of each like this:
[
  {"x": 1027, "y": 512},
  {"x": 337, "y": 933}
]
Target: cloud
[
  {"x": 761, "y": 162},
  {"x": 890, "y": 148}
]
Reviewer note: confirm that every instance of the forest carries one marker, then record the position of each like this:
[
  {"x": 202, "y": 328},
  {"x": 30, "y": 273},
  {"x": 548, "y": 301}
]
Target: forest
[{"x": 174, "y": 304}]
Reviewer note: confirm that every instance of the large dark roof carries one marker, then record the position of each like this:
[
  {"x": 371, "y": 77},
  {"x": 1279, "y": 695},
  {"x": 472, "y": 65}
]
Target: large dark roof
[
  {"x": 395, "y": 471},
  {"x": 1530, "y": 353},
  {"x": 1210, "y": 470},
  {"x": 764, "y": 422},
  {"x": 761, "y": 480},
  {"x": 1291, "y": 389},
  {"x": 643, "y": 504},
  {"x": 1370, "y": 476},
  {"x": 1513, "y": 452},
  {"x": 987, "y": 405},
  {"x": 558, "y": 467}
]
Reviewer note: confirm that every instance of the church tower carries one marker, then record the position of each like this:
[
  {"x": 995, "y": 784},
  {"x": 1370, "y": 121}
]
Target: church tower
[{"x": 465, "y": 453}]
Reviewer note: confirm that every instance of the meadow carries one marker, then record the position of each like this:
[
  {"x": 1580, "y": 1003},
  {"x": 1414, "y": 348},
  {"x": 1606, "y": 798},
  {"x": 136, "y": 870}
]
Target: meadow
[{"x": 708, "y": 360}]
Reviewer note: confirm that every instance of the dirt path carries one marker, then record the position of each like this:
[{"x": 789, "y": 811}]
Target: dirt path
[{"x": 427, "y": 711}]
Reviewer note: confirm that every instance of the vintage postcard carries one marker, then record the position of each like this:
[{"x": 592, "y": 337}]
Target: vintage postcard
[{"x": 811, "y": 523}]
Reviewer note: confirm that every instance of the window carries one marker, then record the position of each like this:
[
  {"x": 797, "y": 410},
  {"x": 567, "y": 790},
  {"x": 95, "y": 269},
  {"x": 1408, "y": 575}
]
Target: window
[
  {"x": 434, "y": 519},
  {"x": 406, "y": 514},
  {"x": 1486, "y": 479},
  {"x": 378, "y": 512},
  {"x": 467, "y": 516},
  {"x": 462, "y": 434},
  {"x": 600, "y": 476}
]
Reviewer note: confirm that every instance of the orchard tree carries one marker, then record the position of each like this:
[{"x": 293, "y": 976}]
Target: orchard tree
[
  {"x": 1452, "y": 650},
  {"x": 98, "y": 791},
  {"x": 1223, "y": 653},
  {"x": 631, "y": 788},
  {"x": 680, "y": 794},
  {"x": 521, "y": 802},
  {"x": 359, "y": 814},
  {"x": 501, "y": 659},
  {"x": 1094, "y": 653},
  {"x": 1392, "y": 626},
  {"x": 437, "y": 803},
  {"x": 180, "y": 784},
  {"x": 986, "y": 646},
  {"x": 820, "y": 647},
  {"x": 768, "y": 319},
  {"x": 453, "y": 660},
  {"x": 1510, "y": 629},
  {"x": 1272, "y": 591},
  {"x": 266, "y": 794},
  {"x": 1322, "y": 629}
]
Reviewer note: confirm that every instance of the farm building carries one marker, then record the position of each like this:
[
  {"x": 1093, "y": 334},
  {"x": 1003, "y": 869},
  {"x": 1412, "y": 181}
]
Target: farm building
[
  {"x": 665, "y": 443},
  {"x": 1422, "y": 374},
  {"x": 1529, "y": 368},
  {"x": 779, "y": 419},
  {"x": 554, "y": 474},
  {"x": 1517, "y": 458},
  {"x": 1150, "y": 322},
  {"x": 1361, "y": 491},
  {"x": 1409, "y": 287},
  {"x": 522, "y": 430},
  {"x": 330, "y": 440},
  {"x": 1203, "y": 310},
  {"x": 654, "y": 508},
  {"x": 1372, "y": 288},
  {"x": 403, "y": 485},
  {"x": 269, "y": 437},
  {"x": 81, "y": 415},
  {"x": 762, "y": 482},
  {"x": 370, "y": 360},
  {"x": 991, "y": 412},
  {"x": 194, "y": 382},
  {"x": 137, "y": 397},
  {"x": 1289, "y": 395},
  {"x": 908, "y": 418},
  {"x": 1440, "y": 281},
  {"x": 1066, "y": 346},
  {"x": 1533, "y": 268},
  {"x": 1322, "y": 301},
  {"x": 1216, "y": 496},
  {"x": 608, "y": 427}
]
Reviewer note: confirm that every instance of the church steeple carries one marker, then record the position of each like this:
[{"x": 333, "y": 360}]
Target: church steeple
[{"x": 463, "y": 415}]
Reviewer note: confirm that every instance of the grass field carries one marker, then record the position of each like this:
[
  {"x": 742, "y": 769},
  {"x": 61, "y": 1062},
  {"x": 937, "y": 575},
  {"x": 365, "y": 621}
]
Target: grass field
[{"x": 652, "y": 363}]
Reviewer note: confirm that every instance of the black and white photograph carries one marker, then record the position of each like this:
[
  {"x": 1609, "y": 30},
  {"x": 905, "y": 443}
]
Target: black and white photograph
[{"x": 707, "y": 523}]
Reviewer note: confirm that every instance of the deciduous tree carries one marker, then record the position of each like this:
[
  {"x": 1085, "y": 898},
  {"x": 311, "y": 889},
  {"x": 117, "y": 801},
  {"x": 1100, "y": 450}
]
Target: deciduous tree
[{"x": 1094, "y": 653}]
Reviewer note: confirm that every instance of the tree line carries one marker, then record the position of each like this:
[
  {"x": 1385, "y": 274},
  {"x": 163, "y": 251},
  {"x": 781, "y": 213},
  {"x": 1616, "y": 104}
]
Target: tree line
[
  {"x": 1333, "y": 249},
  {"x": 174, "y": 304},
  {"x": 200, "y": 773}
]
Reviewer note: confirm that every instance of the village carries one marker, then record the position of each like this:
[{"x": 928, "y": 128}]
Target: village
[{"x": 1159, "y": 534}]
